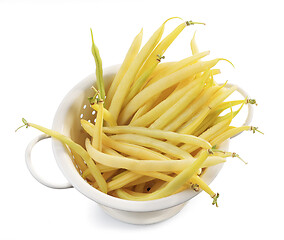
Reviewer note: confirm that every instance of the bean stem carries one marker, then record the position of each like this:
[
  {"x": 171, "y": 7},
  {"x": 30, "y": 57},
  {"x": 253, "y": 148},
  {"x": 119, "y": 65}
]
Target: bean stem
[{"x": 99, "y": 68}]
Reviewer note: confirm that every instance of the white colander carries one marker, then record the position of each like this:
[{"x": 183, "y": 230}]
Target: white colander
[{"x": 75, "y": 106}]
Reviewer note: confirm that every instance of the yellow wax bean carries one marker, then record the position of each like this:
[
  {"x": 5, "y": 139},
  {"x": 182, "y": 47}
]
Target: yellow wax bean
[
  {"x": 193, "y": 45},
  {"x": 97, "y": 132},
  {"x": 127, "y": 177},
  {"x": 221, "y": 131},
  {"x": 86, "y": 173},
  {"x": 213, "y": 160},
  {"x": 207, "y": 135},
  {"x": 123, "y": 180},
  {"x": 182, "y": 84},
  {"x": 88, "y": 176},
  {"x": 155, "y": 101},
  {"x": 111, "y": 151},
  {"x": 160, "y": 134},
  {"x": 152, "y": 143},
  {"x": 234, "y": 113},
  {"x": 230, "y": 133},
  {"x": 177, "y": 182},
  {"x": 160, "y": 68},
  {"x": 229, "y": 154},
  {"x": 129, "y": 195},
  {"x": 142, "y": 110},
  {"x": 162, "y": 47},
  {"x": 190, "y": 126},
  {"x": 145, "y": 165},
  {"x": 139, "y": 83},
  {"x": 181, "y": 178},
  {"x": 194, "y": 48},
  {"x": 143, "y": 179},
  {"x": 197, "y": 180},
  {"x": 107, "y": 115},
  {"x": 165, "y": 94},
  {"x": 192, "y": 108},
  {"x": 225, "y": 105},
  {"x": 213, "y": 118},
  {"x": 128, "y": 78},
  {"x": 106, "y": 176},
  {"x": 142, "y": 97},
  {"x": 135, "y": 193},
  {"x": 120, "y": 174},
  {"x": 79, "y": 161},
  {"x": 110, "y": 174},
  {"x": 157, "y": 175},
  {"x": 179, "y": 106},
  {"x": 215, "y": 71},
  {"x": 156, "y": 186},
  {"x": 163, "y": 106},
  {"x": 136, "y": 151},
  {"x": 158, "y": 52},
  {"x": 102, "y": 168},
  {"x": 129, "y": 149},
  {"x": 178, "y": 66},
  {"x": 207, "y": 123},
  {"x": 130, "y": 56},
  {"x": 77, "y": 148}
]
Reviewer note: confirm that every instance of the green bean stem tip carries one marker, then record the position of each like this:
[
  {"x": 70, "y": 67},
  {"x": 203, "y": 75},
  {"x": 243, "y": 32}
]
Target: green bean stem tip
[
  {"x": 238, "y": 156},
  {"x": 214, "y": 149},
  {"x": 160, "y": 57},
  {"x": 255, "y": 129},
  {"x": 195, "y": 187},
  {"x": 215, "y": 197},
  {"x": 188, "y": 23},
  {"x": 96, "y": 98},
  {"x": 251, "y": 101},
  {"x": 227, "y": 61},
  {"x": 25, "y": 124}
]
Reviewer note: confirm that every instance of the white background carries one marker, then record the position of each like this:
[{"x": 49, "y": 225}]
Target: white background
[{"x": 45, "y": 51}]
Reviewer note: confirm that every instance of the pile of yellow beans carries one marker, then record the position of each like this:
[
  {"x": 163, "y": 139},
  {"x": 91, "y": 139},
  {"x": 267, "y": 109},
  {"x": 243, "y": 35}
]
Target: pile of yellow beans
[{"x": 159, "y": 125}]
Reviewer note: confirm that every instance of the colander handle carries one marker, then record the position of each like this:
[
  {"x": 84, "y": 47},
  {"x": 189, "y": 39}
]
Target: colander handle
[
  {"x": 34, "y": 172},
  {"x": 250, "y": 106}
]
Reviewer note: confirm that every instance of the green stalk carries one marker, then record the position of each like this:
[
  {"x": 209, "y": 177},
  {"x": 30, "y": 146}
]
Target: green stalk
[{"x": 99, "y": 69}]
